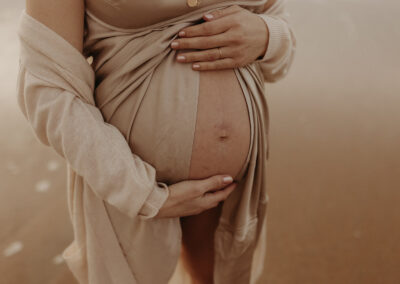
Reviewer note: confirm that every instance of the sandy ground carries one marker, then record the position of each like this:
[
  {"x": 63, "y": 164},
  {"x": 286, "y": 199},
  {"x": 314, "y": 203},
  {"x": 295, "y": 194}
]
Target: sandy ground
[{"x": 334, "y": 171}]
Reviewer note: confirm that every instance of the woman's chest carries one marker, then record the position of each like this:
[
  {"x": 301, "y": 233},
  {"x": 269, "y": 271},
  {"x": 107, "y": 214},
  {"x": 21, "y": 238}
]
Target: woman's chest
[{"x": 140, "y": 13}]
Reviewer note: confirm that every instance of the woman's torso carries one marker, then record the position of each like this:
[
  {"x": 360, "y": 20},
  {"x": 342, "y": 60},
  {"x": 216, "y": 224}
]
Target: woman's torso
[
  {"x": 181, "y": 135},
  {"x": 177, "y": 119}
]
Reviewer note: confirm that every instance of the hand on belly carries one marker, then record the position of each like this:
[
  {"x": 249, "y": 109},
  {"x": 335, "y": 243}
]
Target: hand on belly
[
  {"x": 231, "y": 37},
  {"x": 191, "y": 197}
]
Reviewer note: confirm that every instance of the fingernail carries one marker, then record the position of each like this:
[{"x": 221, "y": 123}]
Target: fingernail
[
  {"x": 227, "y": 179},
  {"x": 174, "y": 44},
  {"x": 208, "y": 16},
  {"x": 180, "y": 57},
  {"x": 182, "y": 33},
  {"x": 196, "y": 66}
]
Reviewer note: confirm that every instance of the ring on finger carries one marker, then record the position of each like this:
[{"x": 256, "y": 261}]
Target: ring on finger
[{"x": 220, "y": 53}]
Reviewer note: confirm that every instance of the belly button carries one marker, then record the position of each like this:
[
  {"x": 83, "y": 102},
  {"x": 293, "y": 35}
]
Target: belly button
[{"x": 223, "y": 134}]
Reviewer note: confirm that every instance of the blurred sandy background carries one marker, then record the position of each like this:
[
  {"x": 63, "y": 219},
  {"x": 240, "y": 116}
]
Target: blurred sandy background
[{"x": 334, "y": 170}]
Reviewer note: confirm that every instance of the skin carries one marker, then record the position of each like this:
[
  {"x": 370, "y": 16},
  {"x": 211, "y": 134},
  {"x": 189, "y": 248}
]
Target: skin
[
  {"x": 187, "y": 197},
  {"x": 226, "y": 23},
  {"x": 49, "y": 13},
  {"x": 251, "y": 41},
  {"x": 241, "y": 36}
]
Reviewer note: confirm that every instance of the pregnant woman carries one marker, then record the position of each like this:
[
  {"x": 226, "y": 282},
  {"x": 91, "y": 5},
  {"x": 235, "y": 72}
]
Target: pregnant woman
[{"x": 159, "y": 109}]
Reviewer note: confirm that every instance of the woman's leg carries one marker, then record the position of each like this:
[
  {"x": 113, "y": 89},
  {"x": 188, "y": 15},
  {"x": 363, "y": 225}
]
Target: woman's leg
[{"x": 197, "y": 239}]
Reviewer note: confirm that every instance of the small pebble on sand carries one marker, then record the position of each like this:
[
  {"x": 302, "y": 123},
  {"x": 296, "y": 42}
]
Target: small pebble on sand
[
  {"x": 52, "y": 165},
  {"x": 58, "y": 259},
  {"x": 42, "y": 186},
  {"x": 13, "y": 248}
]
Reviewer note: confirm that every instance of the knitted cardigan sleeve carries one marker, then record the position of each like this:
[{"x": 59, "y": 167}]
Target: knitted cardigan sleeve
[
  {"x": 279, "y": 55},
  {"x": 55, "y": 94}
]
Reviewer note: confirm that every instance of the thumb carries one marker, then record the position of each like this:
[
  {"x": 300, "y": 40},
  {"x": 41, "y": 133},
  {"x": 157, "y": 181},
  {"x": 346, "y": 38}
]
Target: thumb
[{"x": 219, "y": 13}]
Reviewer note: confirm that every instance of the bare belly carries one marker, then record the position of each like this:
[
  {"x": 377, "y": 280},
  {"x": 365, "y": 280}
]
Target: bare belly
[
  {"x": 187, "y": 137},
  {"x": 222, "y": 135}
]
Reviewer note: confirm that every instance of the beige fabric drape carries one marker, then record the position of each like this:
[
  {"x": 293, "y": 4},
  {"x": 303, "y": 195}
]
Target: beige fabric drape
[{"x": 99, "y": 117}]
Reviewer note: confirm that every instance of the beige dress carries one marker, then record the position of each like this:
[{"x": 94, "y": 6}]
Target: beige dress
[{"x": 125, "y": 126}]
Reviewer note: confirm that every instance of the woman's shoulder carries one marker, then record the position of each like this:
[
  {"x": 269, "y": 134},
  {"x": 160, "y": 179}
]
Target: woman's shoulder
[{"x": 66, "y": 18}]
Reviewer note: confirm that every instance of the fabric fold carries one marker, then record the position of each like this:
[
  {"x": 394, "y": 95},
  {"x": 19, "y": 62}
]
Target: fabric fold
[{"x": 280, "y": 53}]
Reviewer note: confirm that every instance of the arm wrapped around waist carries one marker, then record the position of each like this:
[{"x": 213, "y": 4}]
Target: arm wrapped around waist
[
  {"x": 55, "y": 93},
  {"x": 279, "y": 55}
]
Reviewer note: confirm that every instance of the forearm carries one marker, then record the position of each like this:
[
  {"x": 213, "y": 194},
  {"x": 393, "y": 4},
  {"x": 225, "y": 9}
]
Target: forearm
[{"x": 54, "y": 93}]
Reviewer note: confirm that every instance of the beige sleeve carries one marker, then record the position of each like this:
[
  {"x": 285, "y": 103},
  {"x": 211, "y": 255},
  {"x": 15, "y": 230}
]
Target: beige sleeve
[
  {"x": 55, "y": 94},
  {"x": 279, "y": 56}
]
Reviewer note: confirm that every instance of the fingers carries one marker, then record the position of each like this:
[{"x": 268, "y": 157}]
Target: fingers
[
  {"x": 204, "y": 55},
  {"x": 225, "y": 63},
  {"x": 214, "y": 183},
  {"x": 211, "y": 199},
  {"x": 206, "y": 28},
  {"x": 191, "y": 197},
  {"x": 199, "y": 42},
  {"x": 188, "y": 190}
]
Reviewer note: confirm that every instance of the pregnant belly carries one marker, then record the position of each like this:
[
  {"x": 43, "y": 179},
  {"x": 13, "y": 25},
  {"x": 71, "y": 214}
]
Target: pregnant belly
[
  {"x": 193, "y": 138},
  {"x": 222, "y": 137}
]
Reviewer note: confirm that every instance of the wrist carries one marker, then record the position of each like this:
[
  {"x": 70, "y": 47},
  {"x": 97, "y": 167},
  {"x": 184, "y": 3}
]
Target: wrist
[
  {"x": 155, "y": 201},
  {"x": 278, "y": 36}
]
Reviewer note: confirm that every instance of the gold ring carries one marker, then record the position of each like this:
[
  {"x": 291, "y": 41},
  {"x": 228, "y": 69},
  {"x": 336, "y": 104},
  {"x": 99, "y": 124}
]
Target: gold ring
[{"x": 220, "y": 54}]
